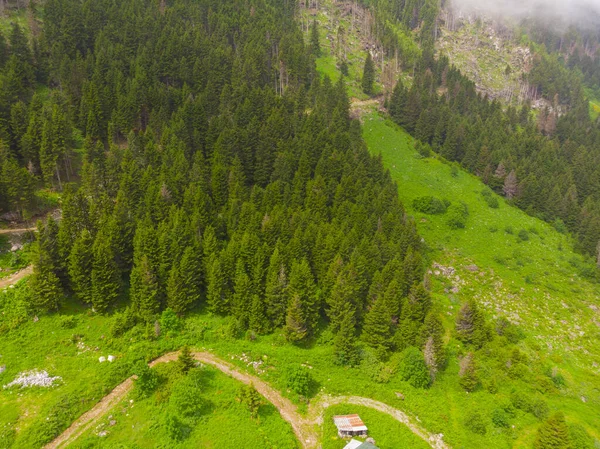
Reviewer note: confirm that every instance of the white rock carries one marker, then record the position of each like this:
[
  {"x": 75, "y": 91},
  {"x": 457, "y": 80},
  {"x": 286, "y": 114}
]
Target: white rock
[
  {"x": 2, "y": 369},
  {"x": 34, "y": 378},
  {"x": 102, "y": 359},
  {"x": 111, "y": 358}
]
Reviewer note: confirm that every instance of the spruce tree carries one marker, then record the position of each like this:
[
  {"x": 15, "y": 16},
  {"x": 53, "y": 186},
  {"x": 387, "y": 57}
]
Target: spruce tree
[
  {"x": 242, "y": 295},
  {"x": 46, "y": 287},
  {"x": 185, "y": 359},
  {"x": 368, "y": 77},
  {"x": 468, "y": 373},
  {"x": 183, "y": 286},
  {"x": 276, "y": 289},
  {"x": 295, "y": 326},
  {"x": 106, "y": 278},
  {"x": 258, "y": 321},
  {"x": 315, "y": 46},
  {"x": 302, "y": 287},
  {"x": 344, "y": 343},
  {"x": 553, "y": 434},
  {"x": 81, "y": 262},
  {"x": 471, "y": 327},
  {"x": 144, "y": 293},
  {"x": 377, "y": 330},
  {"x": 216, "y": 286}
]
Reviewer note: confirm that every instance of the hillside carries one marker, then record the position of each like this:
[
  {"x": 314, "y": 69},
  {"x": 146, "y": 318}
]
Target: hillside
[
  {"x": 249, "y": 243},
  {"x": 492, "y": 60}
]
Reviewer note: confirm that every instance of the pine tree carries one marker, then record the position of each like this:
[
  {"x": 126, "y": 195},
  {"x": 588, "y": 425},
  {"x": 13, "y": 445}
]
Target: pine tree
[
  {"x": 344, "y": 345},
  {"x": 217, "y": 292},
  {"x": 511, "y": 185},
  {"x": 242, "y": 295},
  {"x": 471, "y": 327},
  {"x": 144, "y": 293},
  {"x": 377, "y": 330},
  {"x": 185, "y": 360},
  {"x": 295, "y": 326},
  {"x": 302, "y": 286},
  {"x": 183, "y": 287},
  {"x": 81, "y": 262},
  {"x": 368, "y": 77},
  {"x": 46, "y": 287},
  {"x": 553, "y": 434},
  {"x": 106, "y": 278},
  {"x": 252, "y": 399},
  {"x": 258, "y": 321},
  {"x": 468, "y": 373},
  {"x": 276, "y": 290},
  {"x": 315, "y": 46}
]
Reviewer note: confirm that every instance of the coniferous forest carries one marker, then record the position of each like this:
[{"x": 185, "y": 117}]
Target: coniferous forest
[{"x": 213, "y": 189}]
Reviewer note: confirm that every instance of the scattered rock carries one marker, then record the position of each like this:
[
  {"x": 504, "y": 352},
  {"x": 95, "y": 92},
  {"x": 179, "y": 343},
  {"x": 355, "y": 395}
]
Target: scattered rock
[
  {"x": 399, "y": 395},
  {"x": 34, "y": 378},
  {"x": 102, "y": 359},
  {"x": 102, "y": 433},
  {"x": 112, "y": 422},
  {"x": 583, "y": 399},
  {"x": 472, "y": 268},
  {"x": 2, "y": 369},
  {"x": 35, "y": 319},
  {"x": 111, "y": 358}
]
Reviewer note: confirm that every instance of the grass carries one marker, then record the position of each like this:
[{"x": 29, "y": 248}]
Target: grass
[
  {"x": 385, "y": 430},
  {"x": 535, "y": 283},
  {"x": 224, "y": 422}
]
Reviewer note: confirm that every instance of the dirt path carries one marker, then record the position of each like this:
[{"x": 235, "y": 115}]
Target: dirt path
[
  {"x": 15, "y": 277},
  {"x": 305, "y": 428},
  {"x": 17, "y": 230}
]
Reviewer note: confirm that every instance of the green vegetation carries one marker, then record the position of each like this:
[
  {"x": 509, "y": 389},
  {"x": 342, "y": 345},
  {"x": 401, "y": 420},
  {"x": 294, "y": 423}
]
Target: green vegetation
[
  {"x": 385, "y": 430},
  {"x": 199, "y": 409},
  {"x": 533, "y": 278}
]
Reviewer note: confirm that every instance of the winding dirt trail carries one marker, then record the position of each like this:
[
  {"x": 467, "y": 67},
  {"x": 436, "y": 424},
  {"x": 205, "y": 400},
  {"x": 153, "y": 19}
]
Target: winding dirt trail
[
  {"x": 16, "y": 277},
  {"x": 305, "y": 428}
]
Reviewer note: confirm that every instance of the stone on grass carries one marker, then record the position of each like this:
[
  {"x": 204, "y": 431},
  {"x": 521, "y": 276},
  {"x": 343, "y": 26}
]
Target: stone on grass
[
  {"x": 111, "y": 358},
  {"x": 34, "y": 378},
  {"x": 102, "y": 359}
]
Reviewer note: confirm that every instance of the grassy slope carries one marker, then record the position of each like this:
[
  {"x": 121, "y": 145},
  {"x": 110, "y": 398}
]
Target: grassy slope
[
  {"x": 387, "y": 432},
  {"x": 225, "y": 423},
  {"x": 533, "y": 283}
]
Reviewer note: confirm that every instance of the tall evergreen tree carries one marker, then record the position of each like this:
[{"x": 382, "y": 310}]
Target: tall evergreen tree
[
  {"x": 368, "y": 78},
  {"x": 106, "y": 278},
  {"x": 81, "y": 263}
]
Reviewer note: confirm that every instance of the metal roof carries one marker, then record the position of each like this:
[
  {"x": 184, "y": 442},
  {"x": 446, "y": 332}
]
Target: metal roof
[{"x": 349, "y": 423}]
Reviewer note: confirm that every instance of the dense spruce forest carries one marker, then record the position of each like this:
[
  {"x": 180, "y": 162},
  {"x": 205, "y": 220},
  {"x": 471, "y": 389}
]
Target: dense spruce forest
[
  {"x": 217, "y": 170},
  {"x": 547, "y": 165}
]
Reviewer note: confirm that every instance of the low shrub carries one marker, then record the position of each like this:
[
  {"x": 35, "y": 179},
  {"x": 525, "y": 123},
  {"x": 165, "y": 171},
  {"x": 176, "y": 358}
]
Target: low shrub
[
  {"x": 457, "y": 215},
  {"x": 430, "y": 205},
  {"x": 476, "y": 423}
]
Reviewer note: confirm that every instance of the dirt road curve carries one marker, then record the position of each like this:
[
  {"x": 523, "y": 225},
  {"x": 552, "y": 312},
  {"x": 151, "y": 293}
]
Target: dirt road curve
[
  {"x": 305, "y": 428},
  {"x": 16, "y": 277}
]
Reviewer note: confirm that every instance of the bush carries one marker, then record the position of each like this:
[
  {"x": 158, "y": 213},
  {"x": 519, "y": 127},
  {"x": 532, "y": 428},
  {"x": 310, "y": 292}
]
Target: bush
[
  {"x": 500, "y": 418},
  {"x": 298, "y": 379},
  {"x": 413, "y": 368},
  {"x": 169, "y": 322},
  {"x": 68, "y": 322},
  {"x": 476, "y": 423},
  {"x": 457, "y": 215},
  {"x": 123, "y": 322},
  {"x": 430, "y": 205},
  {"x": 509, "y": 230},
  {"x": 490, "y": 199},
  {"x": 523, "y": 235},
  {"x": 147, "y": 380}
]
